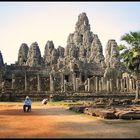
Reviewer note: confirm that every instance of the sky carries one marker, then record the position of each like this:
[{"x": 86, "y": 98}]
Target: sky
[{"x": 27, "y": 22}]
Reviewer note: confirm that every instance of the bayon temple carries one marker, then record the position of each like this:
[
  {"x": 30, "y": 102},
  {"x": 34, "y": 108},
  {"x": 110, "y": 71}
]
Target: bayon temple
[{"x": 77, "y": 71}]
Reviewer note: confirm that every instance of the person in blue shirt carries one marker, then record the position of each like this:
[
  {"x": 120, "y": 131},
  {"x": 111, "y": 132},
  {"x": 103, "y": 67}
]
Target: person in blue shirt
[{"x": 27, "y": 104}]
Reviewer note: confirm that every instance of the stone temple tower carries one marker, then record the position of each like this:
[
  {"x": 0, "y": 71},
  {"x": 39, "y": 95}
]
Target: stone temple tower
[
  {"x": 22, "y": 54},
  {"x": 34, "y": 56},
  {"x": 1, "y": 60}
]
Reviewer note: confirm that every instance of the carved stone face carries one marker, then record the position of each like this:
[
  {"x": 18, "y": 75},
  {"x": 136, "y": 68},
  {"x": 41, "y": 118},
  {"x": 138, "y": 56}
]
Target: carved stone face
[{"x": 77, "y": 38}]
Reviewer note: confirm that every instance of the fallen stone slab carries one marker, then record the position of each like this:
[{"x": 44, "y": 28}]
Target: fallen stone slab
[
  {"x": 93, "y": 111},
  {"x": 107, "y": 114},
  {"x": 126, "y": 101},
  {"x": 128, "y": 115},
  {"x": 137, "y": 101},
  {"x": 77, "y": 108}
]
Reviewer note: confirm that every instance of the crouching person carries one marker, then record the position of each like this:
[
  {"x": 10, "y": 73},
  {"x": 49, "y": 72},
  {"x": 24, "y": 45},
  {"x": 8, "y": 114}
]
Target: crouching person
[
  {"x": 27, "y": 104},
  {"x": 44, "y": 102}
]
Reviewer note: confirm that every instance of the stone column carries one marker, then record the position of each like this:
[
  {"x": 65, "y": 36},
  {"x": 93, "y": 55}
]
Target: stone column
[
  {"x": 130, "y": 85},
  {"x": 25, "y": 81},
  {"x": 3, "y": 86},
  {"x": 1, "y": 77},
  {"x": 86, "y": 87},
  {"x": 97, "y": 83},
  {"x": 38, "y": 83},
  {"x": 133, "y": 84},
  {"x": 88, "y": 84},
  {"x": 137, "y": 90},
  {"x": 127, "y": 83},
  {"x": 62, "y": 82},
  {"x": 51, "y": 83},
  {"x": 65, "y": 85},
  {"x": 103, "y": 83},
  {"x": 111, "y": 85},
  {"x": 132, "y": 81},
  {"x": 100, "y": 85},
  {"x": 77, "y": 84},
  {"x": 74, "y": 81},
  {"x": 118, "y": 84},
  {"x": 13, "y": 81},
  {"x": 80, "y": 78},
  {"x": 122, "y": 84},
  {"x": 108, "y": 85}
]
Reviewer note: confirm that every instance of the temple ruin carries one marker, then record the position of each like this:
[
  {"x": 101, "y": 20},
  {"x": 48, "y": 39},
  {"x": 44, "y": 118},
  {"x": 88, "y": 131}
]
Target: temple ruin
[{"x": 77, "y": 71}]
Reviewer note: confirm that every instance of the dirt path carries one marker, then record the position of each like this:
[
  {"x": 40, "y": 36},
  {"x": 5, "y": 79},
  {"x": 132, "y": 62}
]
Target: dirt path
[{"x": 58, "y": 122}]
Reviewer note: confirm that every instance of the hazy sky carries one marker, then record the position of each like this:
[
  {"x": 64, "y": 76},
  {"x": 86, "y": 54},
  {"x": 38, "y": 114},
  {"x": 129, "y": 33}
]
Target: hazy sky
[{"x": 27, "y": 22}]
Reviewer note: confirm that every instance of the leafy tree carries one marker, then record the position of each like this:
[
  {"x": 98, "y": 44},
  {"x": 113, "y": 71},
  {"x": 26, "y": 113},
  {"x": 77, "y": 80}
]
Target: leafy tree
[{"x": 130, "y": 54}]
